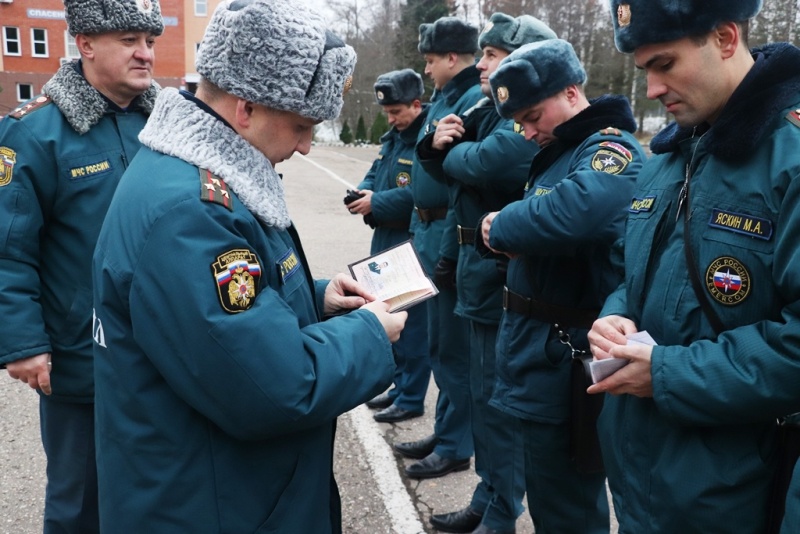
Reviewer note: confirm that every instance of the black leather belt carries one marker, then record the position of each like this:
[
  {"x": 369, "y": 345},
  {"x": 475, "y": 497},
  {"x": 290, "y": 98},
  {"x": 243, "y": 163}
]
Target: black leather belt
[
  {"x": 466, "y": 236},
  {"x": 394, "y": 225},
  {"x": 431, "y": 214},
  {"x": 548, "y": 313}
]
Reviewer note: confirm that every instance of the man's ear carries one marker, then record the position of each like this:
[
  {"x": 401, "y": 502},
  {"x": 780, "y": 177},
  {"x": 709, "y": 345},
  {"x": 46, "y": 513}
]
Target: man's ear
[
  {"x": 727, "y": 37},
  {"x": 244, "y": 111},
  {"x": 85, "y": 46}
]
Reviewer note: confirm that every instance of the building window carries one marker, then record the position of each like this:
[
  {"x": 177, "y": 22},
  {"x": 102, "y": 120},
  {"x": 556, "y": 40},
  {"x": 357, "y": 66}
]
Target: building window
[
  {"x": 201, "y": 8},
  {"x": 39, "y": 40},
  {"x": 70, "y": 47},
  {"x": 11, "y": 44},
  {"x": 24, "y": 92}
]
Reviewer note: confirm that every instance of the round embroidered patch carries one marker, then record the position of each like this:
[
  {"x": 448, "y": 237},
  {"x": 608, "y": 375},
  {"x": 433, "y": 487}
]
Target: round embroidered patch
[
  {"x": 402, "y": 179},
  {"x": 728, "y": 281}
]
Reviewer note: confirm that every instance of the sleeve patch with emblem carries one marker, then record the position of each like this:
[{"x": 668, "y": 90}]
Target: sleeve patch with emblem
[
  {"x": 611, "y": 158},
  {"x": 237, "y": 274},
  {"x": 213, "y": 189},
  {"x": 8, "y": 158}
]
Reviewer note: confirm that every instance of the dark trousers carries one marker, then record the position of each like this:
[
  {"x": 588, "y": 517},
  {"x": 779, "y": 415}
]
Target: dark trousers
[
  {"x": 71, "y": 494},
  {"x": 412, "y": 356},
  {"x": 560, "y": 499},
  {"x": 449, "y": 344},
  {"x": 499, "y": 455}
]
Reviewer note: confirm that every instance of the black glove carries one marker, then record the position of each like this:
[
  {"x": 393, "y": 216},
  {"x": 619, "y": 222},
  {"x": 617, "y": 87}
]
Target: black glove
[
  {"x": 369, "y": 219},
  {"x": 444, "y": 274},
  {"x": 352, "y": 196}
]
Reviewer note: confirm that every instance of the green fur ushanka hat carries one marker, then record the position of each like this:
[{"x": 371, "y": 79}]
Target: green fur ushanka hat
[
  {"x": 641, "y": 22},
  {"x": 277, "y": 53},
  {"x": 509, "y": 33},
  {"x": 534, "y": 72},
  {"x": 101, "y": 16},
  {"x": 398, "y": 87},
  {"x": 448, "y": 34}
]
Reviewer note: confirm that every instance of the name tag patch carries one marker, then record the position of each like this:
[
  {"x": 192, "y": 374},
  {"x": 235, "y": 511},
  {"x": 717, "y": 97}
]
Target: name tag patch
[
  {"x": 237, "y": 273},
  {"x": 540, "y": 191},
  {"x": 288, "y": 266},
  {"x": 90, "y": 170},
  {"x": 741, "y": 224},
  {"x": 642, "y": 205},
  {"x": 728, "y": 281}
]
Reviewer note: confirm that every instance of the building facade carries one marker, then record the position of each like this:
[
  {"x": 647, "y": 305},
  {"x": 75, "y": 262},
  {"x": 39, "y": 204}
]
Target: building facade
[{"x": 35, "y": 42}]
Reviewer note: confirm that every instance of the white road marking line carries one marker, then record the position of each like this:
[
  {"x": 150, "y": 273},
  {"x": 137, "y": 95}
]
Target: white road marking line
[
  {"x": 403, "y": 514},
  {"x": 327, "y": 171}
]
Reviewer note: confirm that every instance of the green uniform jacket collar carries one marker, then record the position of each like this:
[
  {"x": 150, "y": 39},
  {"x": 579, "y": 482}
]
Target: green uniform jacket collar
[{"x": 460, "y": 84}]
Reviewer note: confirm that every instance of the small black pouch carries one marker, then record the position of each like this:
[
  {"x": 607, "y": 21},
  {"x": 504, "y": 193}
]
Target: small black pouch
[{"x": 584, "y": 411}]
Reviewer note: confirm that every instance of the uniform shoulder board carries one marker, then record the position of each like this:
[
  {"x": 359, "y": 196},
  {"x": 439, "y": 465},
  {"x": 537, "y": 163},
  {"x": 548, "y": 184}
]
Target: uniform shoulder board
[
  {"x": 30, "y": 107},
  {"x": 611, "y": 131},
  {"x": 794, "y": 117},
  {"x": 213, "y": 189}
]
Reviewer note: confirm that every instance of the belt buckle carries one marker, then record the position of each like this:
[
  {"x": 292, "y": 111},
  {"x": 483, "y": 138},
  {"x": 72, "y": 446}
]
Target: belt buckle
[
  {"x": 458, "y": 233},
  {"x": 505, "y": 298}
]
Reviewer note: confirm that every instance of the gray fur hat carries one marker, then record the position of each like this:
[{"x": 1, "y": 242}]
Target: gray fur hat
[
  {"x": 448, "y": 34},
  {"x": 641, "y": 22},
  {"x": 279, "y": 54},
  {"x": 509, "y": 33},
  {"x": 534, "y": 72},
  {"x": 398, "y": 87},
  {"x": 101, "y": 16}
]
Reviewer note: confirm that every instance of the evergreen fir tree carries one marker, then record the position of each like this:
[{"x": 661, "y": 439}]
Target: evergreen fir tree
[
  {"x": 346, "y": 136},
  {"x": 379, "y": 127},
  {"x": 361, "y": 130}
]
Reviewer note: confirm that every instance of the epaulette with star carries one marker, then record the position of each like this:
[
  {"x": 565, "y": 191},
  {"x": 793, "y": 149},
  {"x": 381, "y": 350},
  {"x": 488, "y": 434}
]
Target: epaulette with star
[
  {"x": 30, "y": 107},
  {"x": 794, "y": 117},
  {"x": 213, "y": 189},
  {"x": 611, "y": 131}
]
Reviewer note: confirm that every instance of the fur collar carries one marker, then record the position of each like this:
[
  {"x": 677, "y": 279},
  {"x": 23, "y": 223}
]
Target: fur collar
[
  {"x": 179, "y": 128},
  {"x": 772, "y": 85},
  {"x": 608, "y": 111},
  {"x": 81, "y": 104}
]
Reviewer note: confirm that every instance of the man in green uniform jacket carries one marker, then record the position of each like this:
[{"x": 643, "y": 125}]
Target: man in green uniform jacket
[
  {"x": 559, "y": 238},
  {"x": 485, "y": 159},
  {"x": 62, "y": 155},
  {"x": 218, "y": 385},
  {"x": 449, "y": 46},
  {"x": 711, "y": 273},
  {"x": 387, "y": 205}
]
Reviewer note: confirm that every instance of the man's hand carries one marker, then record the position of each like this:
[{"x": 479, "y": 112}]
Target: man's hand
[
  {"x": 607, "y": 340},
  {"x": 362, "y": 206},
  {"x": 486, "y": 228},
  {"x": 449, "y": 130},
  {"x": 608, "y": 332},
  {"x": 633, "y": 379},
  {"x": 34, "y": 371},
  {"x": 393, "y": 323},
  {"x": 344, "y": 293}
]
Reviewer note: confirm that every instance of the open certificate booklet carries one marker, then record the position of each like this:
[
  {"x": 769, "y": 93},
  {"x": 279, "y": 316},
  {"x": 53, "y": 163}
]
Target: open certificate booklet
[{"x": 395, "y": 276}]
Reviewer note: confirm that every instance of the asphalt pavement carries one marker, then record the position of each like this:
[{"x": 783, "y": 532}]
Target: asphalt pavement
[{"x": 376, "y": 497}]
